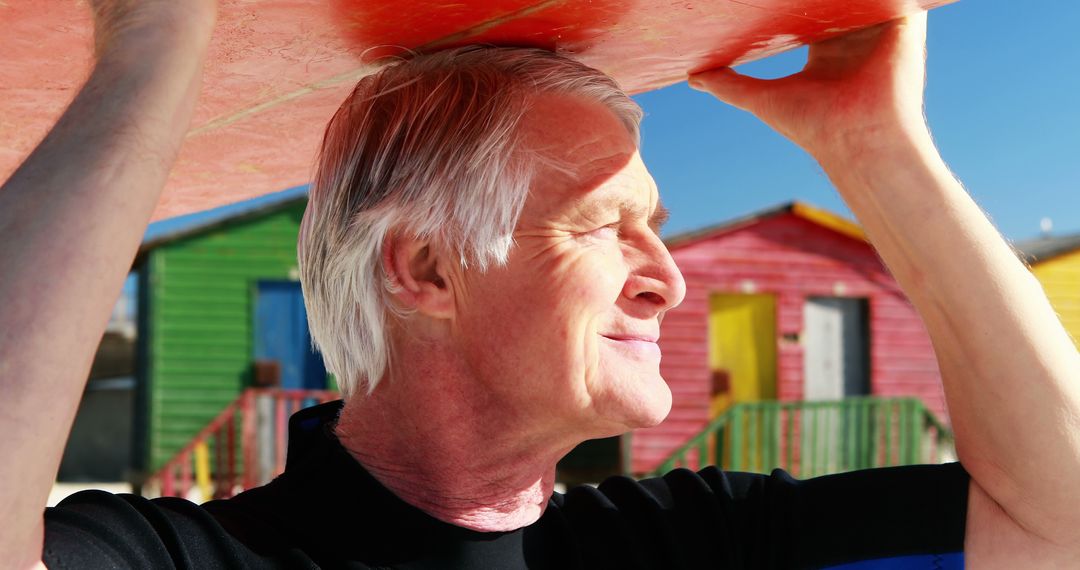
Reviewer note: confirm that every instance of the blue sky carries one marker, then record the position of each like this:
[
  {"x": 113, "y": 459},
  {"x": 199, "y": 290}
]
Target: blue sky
[{"x": 1003, "y": 101}]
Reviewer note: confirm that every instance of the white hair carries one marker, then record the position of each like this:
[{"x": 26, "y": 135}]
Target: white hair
[{"x": 429, "y": 147}]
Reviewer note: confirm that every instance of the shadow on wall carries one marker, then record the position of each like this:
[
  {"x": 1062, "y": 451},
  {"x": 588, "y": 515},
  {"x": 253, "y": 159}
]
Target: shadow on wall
[{"x": 99, "y": 447}]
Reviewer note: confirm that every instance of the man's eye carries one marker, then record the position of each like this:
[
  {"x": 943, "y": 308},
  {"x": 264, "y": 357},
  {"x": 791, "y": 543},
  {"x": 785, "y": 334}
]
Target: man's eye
[{"x": 610, "y": 231}]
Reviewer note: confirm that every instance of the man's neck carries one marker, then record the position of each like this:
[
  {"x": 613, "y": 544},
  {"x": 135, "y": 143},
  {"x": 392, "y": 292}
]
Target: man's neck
[{"x": 452, "y": 452}]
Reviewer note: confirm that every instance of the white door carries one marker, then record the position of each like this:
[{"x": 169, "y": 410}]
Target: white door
[
  {"x": 835, "y": 358},
  {"x": 835, "y": 341}
]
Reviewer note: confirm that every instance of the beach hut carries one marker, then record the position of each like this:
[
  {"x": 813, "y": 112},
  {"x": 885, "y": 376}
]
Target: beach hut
[
  {"x": 219, "y": 310},
  {"x": 1055, "y": 261},
  {"x": 791, "y": 304}
]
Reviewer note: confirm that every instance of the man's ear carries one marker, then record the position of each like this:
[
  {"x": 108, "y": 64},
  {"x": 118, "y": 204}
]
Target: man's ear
[{"x": 421, "y": 274}]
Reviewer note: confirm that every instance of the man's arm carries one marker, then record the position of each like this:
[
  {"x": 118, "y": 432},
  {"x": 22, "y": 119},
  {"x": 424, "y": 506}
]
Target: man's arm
[
  {"x": 71, "y": 218},
  {"x": 1011, "y": 373}
]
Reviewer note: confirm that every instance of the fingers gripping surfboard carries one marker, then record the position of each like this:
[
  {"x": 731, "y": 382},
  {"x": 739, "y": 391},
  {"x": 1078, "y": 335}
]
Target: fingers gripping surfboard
[{"x": 278, "y": 69}]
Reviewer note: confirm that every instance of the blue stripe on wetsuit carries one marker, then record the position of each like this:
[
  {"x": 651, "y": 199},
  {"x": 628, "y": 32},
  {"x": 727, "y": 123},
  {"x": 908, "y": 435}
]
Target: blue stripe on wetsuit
[{"x": 950, "y": 561}]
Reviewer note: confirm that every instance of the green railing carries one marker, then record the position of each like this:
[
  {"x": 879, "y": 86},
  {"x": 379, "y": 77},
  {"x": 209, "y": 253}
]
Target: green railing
[{"x": 809, "y": 439}]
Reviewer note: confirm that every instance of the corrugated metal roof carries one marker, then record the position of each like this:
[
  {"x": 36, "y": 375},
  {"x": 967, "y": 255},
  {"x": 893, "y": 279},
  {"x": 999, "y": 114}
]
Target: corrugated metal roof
[
  {"x": 803, "y": 210},
  {"x": 238, "y": 213},
  {"x": 168, "y": 231},
  {"x": 1041, "y": 249}
]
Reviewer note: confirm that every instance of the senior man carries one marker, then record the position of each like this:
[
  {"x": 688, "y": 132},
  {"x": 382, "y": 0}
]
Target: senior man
[{"x": 483, "y": 273}]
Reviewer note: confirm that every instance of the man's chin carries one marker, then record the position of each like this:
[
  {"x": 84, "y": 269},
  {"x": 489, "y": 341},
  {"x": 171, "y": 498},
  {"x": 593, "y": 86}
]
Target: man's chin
[
  {"x": 628, "y": 401},
  {"x": 651, "y": 408}
]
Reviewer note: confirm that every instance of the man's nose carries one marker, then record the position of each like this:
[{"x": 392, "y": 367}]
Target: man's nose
[{"x": 654, "y": 278}]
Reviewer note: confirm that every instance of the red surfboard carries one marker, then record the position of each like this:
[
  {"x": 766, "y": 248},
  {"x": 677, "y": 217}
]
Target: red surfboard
[{"x": 279, "y": 68}]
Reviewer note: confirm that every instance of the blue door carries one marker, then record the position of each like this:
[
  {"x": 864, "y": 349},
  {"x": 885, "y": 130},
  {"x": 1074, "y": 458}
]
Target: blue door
[{"x": 281, "y": 334}]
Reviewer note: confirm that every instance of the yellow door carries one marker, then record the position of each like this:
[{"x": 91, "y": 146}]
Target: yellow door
[
  {"x": 742, "y": 358},
  {"x": 742, "y": 349}
]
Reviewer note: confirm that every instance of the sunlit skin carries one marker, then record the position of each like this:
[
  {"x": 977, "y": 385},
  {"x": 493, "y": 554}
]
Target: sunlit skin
[
  {"x": 499, "y": 373},
  {"x": 576, "y": 312}
]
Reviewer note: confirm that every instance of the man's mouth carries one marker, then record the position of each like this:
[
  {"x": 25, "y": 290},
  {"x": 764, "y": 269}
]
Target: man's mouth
[
  {"x": 636, "y": 345},
  {"x": 632, "y": 337}
]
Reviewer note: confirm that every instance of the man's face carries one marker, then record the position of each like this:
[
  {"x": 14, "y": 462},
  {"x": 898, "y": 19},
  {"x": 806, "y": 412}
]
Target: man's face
[{"x": 565, "y": 334}]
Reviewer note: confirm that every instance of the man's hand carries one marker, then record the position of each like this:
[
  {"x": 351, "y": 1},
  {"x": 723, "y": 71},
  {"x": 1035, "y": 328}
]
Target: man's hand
[
  {"x": 865, "y": 87},
  {"x": 71, "y": 219},
  {"x": 1010, "y": 372}
]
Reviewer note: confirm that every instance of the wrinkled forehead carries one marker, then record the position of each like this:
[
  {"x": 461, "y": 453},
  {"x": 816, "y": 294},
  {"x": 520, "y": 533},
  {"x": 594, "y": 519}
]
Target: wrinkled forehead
[{"x": 582, "y": 147}]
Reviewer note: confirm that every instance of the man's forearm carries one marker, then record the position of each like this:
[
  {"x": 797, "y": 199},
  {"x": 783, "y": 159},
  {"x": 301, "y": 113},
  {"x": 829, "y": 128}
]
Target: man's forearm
[
  {"x": 71, "y": 218},
  {"x": 1009, "y": 368}
]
